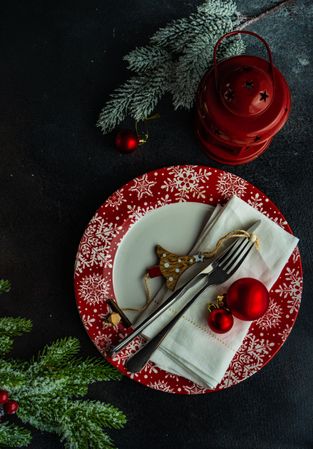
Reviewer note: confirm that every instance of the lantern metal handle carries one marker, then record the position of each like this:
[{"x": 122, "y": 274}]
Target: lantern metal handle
[{"x": 233, "y": 33}]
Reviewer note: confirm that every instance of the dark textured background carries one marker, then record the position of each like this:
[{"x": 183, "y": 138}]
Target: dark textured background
[{"x": 59, "y": 62}]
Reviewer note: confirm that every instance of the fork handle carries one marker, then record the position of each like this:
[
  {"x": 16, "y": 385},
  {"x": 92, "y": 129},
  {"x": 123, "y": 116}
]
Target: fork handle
[{"x": 141, "y": 357}]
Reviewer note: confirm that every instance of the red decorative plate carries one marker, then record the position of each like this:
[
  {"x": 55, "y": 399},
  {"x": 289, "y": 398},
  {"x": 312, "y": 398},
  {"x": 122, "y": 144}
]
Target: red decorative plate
[{"x": 124, "y": 222}]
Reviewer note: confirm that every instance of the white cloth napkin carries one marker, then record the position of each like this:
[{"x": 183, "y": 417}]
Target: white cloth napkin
[{"x": 191, "y": 349}]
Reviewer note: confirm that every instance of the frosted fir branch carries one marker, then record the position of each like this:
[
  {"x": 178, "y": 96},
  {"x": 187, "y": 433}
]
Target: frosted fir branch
[
  {"x": 174, "y": 62},
  {"x": 69, "y": 381},
  {"x": 81, "y": 424},
  {"x": 219, "y": 7},
  {"x": 57, "y": 354},
  {"x": 180, "y": 32},
  {"x": 12, "y": 435},
  {"x": 134, "y": 96},
  {"x": 153, "y": 87},
  {"x": 13, "y": 327},
  {"x": 12, "y": 374},
  {"x": 5, "y": 286},
  {"x": 90, "y": 370},
  {"x": 116, "y": 108},
  {"x": 46, "y": 388},
  {"x": 198, "y": 58},
  {"x": 147, "y": 58},
  {"x": 6, "y": 344}
]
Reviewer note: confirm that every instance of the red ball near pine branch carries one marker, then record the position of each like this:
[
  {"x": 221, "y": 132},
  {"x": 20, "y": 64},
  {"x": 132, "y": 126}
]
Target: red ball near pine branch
[
  {"x": 11, "y": 407},
  {"x": 4, "y": 396},
  {"x": 126, "y": 140}
]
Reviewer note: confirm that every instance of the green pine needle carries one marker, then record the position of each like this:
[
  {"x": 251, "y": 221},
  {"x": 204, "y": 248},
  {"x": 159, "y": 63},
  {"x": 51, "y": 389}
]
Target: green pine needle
[
  {"x": 6, "y": 344},
  {"x": 174, "y": 62},
  {"x": 147, "y": 58},
  {"x": 12, "y": 435},
  {"x": 59, "y": 353},
  {"x": 79, "y": 423},
  {"x": 13, "y": 327},
  {"x": 5, "y": 286},
  {"x": 47, "y": 387}
]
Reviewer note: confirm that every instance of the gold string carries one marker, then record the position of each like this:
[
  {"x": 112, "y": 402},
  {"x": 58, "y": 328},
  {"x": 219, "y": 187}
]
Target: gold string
[
  {"x": 231, "y": 235},
  {"x": 148, "y": 297}
]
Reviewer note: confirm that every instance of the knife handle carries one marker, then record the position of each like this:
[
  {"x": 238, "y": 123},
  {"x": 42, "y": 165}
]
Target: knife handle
[
  {"x": 141, "y": 357},
  {"x": 175, "y": 296}
]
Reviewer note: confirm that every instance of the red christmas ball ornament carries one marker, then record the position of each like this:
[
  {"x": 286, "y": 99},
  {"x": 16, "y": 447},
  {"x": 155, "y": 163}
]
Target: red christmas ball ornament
[
  {"x": 220, "y": 320},
  {"x": 126, "y": 140},
  {"x": 4, "y": 396},
  {"x": 11, "y": 407},
  {"x": 248, "y": 299}
]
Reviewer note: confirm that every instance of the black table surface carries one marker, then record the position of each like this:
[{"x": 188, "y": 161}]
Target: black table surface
[{"x": 59, "y": 63}]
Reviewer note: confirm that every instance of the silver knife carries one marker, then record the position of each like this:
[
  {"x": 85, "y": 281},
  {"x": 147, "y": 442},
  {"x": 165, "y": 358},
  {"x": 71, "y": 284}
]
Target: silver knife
[{"x": 172, "y": 299}]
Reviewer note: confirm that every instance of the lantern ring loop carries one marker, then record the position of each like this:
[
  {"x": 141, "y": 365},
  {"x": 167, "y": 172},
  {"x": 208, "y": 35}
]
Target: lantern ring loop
[{"x": 233, "y": 33}]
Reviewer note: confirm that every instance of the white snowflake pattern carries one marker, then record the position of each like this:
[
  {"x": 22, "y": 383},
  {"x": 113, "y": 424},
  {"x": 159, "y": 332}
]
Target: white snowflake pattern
[
  {"x": 247, "y": 360},
  {"x": 291, "y": 289},
  {"x": 278, "y": 220},
  {"x": 137, "y": 212},
  {"x": 295, "y": 255},
  {"x": 164, "y": 201},
  {"x": 151, "y": 368},
  {"x": 88, "y": 321},
  {"x": 171, "y": 376},
  {"x": 285, "y": 333},
  {"x": 94, "y": 246},
  {"x": 272, "y": 317},
  {"x": 229, "y": 185},
  {"x": 93, "y": 289},
  {"x": 161, "y": 385},
  {"x": 130, "y": 349},
  {"x": 186, "y": 182},
  {"x": 195, "y": 389},
  {"x": 142, "y": 186},
  {"x": 256, "y": 201},
  {"x": 103, "y": 341},
  {"x": 116, "y": 200}
]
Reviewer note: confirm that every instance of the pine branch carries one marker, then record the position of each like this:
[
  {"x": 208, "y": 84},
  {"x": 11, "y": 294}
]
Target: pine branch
[
  {"x": 138, "y": 95},
  {"x": 174, "y": 61},
  {"x": 70, "y": 381},
  {"x": 218, "y": 7},
  {"x": 6, "y": 344},
  {"x": 192, "y": 65},
  {"x": 12, "y": 435},
  {"x": 90, "y": 370},
  {"x": 153, "y": 86},
  {"x": 57, "y": 354},
  {"x": 56, "y": 372},
  {"x": 12, "y": 374},
  {"x": 179, "y": 33},
  {"x": 13, "y": 327},
  {"x": 79, "y": 423},
  {"x": 58, "y": 361},
  {"x": 147, "y": 58},
  {"x": 5, "y": 286},
  {"x": 116, "y": 108}
]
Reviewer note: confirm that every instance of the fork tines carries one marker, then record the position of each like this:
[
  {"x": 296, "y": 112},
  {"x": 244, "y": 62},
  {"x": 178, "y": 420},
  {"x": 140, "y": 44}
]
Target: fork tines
[{"x": 235, "y": 255}]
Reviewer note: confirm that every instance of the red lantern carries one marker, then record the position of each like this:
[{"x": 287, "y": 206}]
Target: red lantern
[{"x": 241, "y": 104}]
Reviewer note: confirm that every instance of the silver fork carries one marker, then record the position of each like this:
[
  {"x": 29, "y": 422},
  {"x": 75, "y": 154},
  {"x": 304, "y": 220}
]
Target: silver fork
[{"x": 223, "y": 268}]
